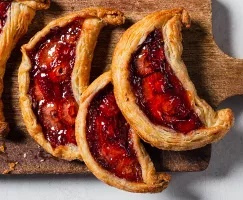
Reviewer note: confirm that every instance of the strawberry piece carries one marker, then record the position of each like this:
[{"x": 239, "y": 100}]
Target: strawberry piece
[
  {"x": 108, "y": 106},
  {"x": 68, "y": 109},
  {"x": 173, "y": 105},
  {"x": 112, "y": 152},
  {"x": 48, "y": 55},
  {"x": 70, "y": 135},
  {"x": 37, "y": 92},
  {"x": 129, "y": 168},
  {"x": 72, "y": 34},
  {"x": 50, "y": 118},
  {"x": 106, "y": 128},
  {"x": 170, "y": 105},
  {"x": 71, "y": 38},
  {"x": 43, "y": 85},
  {"x": 166, "y": 107},
  {"x": 143, "y": 65},
  {"x": 150, "y": 59},
  {"x": 154, "y": 84},
  {"x": 67, "y": 52},
  {"x": 59, "y": 73},
  {"x": 155, "y": 107},
  {"x": 186, "y": 125}
]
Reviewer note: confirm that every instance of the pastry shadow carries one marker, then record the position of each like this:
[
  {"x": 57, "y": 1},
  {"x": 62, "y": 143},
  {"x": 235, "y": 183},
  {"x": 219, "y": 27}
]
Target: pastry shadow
[
  {"x": 10, "y": 99},
  {"x": 55, "y": 8},
  {"x": 226, "y": 159},
  {"x": 107, "y": 40},
  {"x": 227, "y": 154},
  {"x": 221, "y": 28},
  {"x": 193, "y": 57}
]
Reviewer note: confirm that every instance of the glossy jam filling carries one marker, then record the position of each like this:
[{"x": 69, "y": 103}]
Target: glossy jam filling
[
  {"x": 4, "y": 6},
  {"x": 159, "y": 93},
  {"x": 109, "y": 137},
  {"x": 53, "y": 59}
]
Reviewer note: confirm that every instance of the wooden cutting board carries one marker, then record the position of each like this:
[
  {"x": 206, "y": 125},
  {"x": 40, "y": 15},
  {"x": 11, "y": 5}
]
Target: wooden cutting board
[{"x": 211, "y": 70}]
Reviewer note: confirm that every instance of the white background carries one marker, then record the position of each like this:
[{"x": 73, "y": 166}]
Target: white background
[{"x": 221, "y": 181}]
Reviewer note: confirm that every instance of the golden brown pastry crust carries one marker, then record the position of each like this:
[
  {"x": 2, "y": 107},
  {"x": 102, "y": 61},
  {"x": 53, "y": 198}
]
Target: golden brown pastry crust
[
  {"x": 95, "y": 19},
  {"x": 153, "y": 181},
  {"x": 36, "y": 4},
  {"x": 170, "y": 22},
  {"x": 19, "y": 16}
]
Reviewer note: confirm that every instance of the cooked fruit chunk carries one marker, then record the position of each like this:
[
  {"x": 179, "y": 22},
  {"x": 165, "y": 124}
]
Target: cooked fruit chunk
[
  {"x": 108, "y": 106},
  {"x": 67, "y": 110},
  {"x": 59, "y": 73},
  {"x": 48, "y": 55},
  {"x": 154, "y": 84},
  {"x": 37, "y": 91},
  {"x": 49, "y": 111}
]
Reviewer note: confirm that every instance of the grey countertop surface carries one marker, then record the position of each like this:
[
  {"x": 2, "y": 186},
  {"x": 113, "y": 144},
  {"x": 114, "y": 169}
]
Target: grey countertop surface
[{"x": 222, "y": 180}]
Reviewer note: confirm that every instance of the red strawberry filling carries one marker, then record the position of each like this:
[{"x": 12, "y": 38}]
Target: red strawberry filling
[
  {"x": 49, "y": 111},
  {"x": 68, "y": 109},
  {"x": 159, "y": 93},
  {"x": 109, "y": 137},
  {"x": 53, "y": 59},
  {"x": 108, "y": 106},
  {"x": 4, "y": 6}
]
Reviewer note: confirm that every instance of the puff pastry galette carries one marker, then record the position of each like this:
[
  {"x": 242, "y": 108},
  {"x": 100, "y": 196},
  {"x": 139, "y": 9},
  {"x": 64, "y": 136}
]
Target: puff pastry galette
[
  {"x": 153, "y": 89},
  {"x": 53, "y": 74},
  {"x": 109, "y": 147},
  {"x": 15, "y": 17}
]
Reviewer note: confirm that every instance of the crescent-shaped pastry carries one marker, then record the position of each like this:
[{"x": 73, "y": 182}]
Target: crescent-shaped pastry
[
  {"x": 153, "y": 89},
  {"x": 15, "y": 17},
  {"x": 109, "y": 147},
  {"x": 53, "y": 74}
]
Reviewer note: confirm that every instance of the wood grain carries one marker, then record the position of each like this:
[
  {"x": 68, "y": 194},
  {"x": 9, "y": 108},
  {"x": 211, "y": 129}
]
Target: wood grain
[{"x": 211, "y": 70}]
